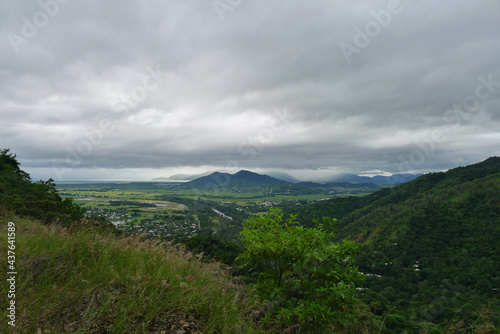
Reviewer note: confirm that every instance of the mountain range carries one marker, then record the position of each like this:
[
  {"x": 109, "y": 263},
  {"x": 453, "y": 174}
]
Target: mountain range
[
  {"x": 281, "y": 176},
  {"x": 249, "y": 181},
  {"x": 378, "y": 179}
]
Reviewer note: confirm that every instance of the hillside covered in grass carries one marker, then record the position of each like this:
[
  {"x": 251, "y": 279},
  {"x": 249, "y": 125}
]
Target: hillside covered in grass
[{"x": 80, "y": 281}]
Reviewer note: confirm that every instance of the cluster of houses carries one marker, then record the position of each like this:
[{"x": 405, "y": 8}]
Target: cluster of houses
[
  {"x": 158, "y": 229},
  {"x": 268, "y": 204},
  {"x": 117, "y": 218}
]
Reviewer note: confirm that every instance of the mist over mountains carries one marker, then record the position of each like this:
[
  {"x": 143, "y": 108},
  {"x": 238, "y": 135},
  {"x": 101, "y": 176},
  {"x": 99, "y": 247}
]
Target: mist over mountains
[{"x": 282, "y": 176}]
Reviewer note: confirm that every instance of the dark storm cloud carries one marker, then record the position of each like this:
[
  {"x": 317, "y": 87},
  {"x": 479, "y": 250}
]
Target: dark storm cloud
[{"x": 108, "y": 86}]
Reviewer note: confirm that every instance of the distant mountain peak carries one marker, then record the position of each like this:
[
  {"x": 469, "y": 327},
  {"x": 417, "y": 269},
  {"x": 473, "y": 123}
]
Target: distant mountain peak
[{"x": 240, "y": 179}]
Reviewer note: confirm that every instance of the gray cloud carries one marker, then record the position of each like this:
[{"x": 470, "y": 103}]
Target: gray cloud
[{"x": 150, "y": 87}]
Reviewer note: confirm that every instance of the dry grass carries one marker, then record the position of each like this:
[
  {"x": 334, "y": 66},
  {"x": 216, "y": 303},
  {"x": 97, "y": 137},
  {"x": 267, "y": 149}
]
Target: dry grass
[{"x": 85, "y": 282}]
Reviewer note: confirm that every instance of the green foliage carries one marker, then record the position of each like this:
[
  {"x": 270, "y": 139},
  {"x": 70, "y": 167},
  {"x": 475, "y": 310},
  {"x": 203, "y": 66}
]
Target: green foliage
[
  {"x": 309, "y": 279},
  {"x": 8, "y": 162},
  {"x": 39, "y": 200}
]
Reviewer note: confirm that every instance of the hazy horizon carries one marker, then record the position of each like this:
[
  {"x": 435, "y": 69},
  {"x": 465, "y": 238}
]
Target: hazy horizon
[{"x": 281, "y": 175}]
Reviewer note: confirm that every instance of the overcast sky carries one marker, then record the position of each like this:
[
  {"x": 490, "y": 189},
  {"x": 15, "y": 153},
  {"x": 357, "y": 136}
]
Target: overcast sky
[{"x": 141, "y": 89}]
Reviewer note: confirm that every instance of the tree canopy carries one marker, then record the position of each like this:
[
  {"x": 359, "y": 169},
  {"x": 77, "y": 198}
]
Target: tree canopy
[
  {"x": 309, "y": 279},
  {"x": 40, "y": 200}
]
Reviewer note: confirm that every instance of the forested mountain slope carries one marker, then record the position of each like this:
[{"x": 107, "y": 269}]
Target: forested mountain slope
[
  {"x": 340, "y": 208},
  {"x": 430, "y": 247}
]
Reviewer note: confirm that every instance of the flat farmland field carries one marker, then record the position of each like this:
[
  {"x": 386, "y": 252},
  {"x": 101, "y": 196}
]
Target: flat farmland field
[{"x": 172, "y": 210}]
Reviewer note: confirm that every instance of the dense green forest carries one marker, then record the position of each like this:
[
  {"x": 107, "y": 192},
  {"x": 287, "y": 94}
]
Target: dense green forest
[{"x": 430, "y": 249}]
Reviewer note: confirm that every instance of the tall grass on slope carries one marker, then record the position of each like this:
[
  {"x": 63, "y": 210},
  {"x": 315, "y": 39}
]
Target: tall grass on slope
[{"x": 84, "y": 282}]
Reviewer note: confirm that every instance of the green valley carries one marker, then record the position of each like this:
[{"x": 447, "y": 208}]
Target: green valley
[
  {"x": 419, "y": 257},
  {"x": 216, "y": 205}
]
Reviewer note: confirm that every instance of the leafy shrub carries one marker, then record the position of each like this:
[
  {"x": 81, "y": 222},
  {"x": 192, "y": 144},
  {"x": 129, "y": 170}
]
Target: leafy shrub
[{"x": 308, "y": 279}]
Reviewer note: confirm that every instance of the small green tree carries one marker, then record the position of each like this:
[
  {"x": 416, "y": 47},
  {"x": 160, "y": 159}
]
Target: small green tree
[
  {"x": 9, "y": 161},
  {"x": 308, "y": 278}
]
